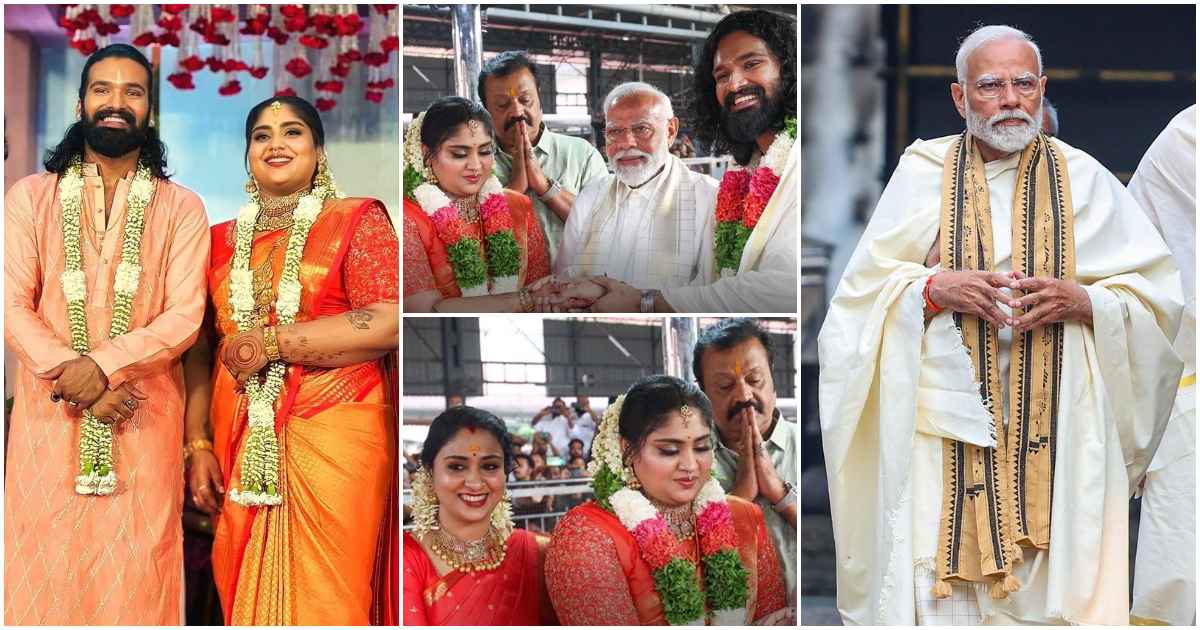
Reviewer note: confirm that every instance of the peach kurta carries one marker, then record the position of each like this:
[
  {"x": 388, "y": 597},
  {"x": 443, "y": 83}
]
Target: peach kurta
[{"x": 83, "y": 560}]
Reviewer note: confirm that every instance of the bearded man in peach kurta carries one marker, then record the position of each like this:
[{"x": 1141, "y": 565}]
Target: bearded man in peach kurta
[{"x": 79, "y": 550}]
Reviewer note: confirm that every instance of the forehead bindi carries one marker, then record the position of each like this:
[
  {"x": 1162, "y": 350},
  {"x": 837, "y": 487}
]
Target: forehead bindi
[{"x": 118, "y": 72}]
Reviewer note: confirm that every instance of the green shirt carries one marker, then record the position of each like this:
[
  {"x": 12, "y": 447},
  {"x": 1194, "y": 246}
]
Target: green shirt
[
  {"x": 783, "y": 447},
  {"x": 570, "y": 161}
]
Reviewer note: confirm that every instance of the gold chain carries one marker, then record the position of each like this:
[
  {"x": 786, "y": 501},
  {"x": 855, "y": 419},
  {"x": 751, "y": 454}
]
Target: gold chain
[{"x": 275, "y": 213}]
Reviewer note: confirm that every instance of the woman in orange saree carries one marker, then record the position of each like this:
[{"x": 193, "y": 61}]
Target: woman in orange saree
[
  {"x": 464, "y": 564},
  {"x": 310, "y": 534},
  {"x": 662, "y": 544},
  {"x": 469, "y": 245}
]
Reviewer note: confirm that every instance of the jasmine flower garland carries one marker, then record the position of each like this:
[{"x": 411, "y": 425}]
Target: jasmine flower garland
[
  {"x": 259, "y": 481},
  {"x": 97, "y": 474}
]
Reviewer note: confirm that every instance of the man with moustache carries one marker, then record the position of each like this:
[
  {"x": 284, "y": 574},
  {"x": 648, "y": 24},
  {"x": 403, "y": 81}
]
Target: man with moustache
[
  {"x": 997, "y": 352},
  {"x": 745, "y": 104},
  {"x": 551, "y": 168},
  {"x": 757, "y": 451},
  {"x": 82, "y": 547},
  {"x": 645, "y": 223}
]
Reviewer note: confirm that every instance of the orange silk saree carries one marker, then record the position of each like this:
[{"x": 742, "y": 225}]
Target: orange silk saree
[{"x": 327, "y": 555}]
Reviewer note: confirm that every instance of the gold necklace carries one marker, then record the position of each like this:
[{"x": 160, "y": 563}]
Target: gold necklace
[
  {"x": 680, "y": 519},
  {"x": 468, "y": 208},
  {"x": 275, "y": 213},
  {"x": 484, "y": 554}
]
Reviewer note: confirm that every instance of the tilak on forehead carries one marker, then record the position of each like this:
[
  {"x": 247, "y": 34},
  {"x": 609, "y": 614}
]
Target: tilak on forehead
[{"x": 737, "y": 366}]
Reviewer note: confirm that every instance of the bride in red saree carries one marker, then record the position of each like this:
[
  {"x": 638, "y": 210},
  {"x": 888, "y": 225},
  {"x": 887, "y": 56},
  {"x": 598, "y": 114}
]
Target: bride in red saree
[
  {"x": 662, "y": 544},
  {"x": 469, "y": 244},
  {"x": 464, "y": 564}
]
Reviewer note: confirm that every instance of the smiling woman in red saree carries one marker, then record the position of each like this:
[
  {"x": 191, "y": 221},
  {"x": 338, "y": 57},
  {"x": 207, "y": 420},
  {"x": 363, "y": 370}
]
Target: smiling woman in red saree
[
  {"x": 464, "y": 564},
  {"x": 310, "y": 538}
]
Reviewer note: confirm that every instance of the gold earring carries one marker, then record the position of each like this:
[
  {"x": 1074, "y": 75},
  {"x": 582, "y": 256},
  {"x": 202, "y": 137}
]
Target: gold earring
[
  {"x": 425, "y": 503},
  {"x": 429, "y": 176},
  {"x": 251, "y": 186},
  {"x": 631, "y": 480},
  {"x": 323, "y": 178}
]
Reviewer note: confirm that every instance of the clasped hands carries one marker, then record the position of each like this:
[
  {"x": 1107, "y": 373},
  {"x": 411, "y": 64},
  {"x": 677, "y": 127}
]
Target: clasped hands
[
  {"x": 245, "y": 354},
  {"x": 1045, "y": 300},
  {"x": 81, "y": 384},
  {"x": 586, "y": 294}
]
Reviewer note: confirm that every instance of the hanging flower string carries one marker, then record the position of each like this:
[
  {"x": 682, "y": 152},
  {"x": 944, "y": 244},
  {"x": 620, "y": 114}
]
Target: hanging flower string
[
  {"x": 725, "y": 589},
  {"x": 259, "y": 482},
  {"x": 742, "y": 197},
  {"x": 97, "y": 473}
]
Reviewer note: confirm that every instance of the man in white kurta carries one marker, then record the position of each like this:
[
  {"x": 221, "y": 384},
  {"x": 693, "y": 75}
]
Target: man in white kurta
[
  {"x": 896, "y": 378},
  {"x": 645, "y": 223},
  {"x": 1164, "y": 582}
]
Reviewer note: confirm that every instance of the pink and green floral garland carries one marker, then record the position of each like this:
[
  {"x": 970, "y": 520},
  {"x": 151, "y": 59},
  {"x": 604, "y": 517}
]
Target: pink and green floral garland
[
  {"x": 466, "y": 253},
  {"x": 742, "y": 197},
  {"x": 725, "y": 577}
]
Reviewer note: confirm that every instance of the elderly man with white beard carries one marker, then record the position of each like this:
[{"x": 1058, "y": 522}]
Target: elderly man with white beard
[
  {"x": 996, "y": 370},
  {"x": 645, "y": 223}
]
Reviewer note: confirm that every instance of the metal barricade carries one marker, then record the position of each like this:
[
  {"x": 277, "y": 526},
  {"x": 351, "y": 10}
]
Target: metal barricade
[{"x": 539, "y": 520}]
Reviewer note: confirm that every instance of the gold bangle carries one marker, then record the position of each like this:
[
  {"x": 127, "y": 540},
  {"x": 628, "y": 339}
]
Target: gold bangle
[
  {"x": 271, "y": 343},
  {"x": 190, "y": 448}
]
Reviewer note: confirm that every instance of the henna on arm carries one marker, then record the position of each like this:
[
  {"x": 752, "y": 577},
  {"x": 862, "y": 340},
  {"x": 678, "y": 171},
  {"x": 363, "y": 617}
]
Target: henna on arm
[{"x": 356, "y": 336}]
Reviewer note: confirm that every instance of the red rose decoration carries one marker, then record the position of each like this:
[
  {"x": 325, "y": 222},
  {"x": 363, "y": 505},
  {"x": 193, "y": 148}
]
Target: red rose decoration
[
  {"x": 390, "y": 44},
  {"x": 120, "y": 10},
  {"x": 375, "y": 59},
  {"x": 170, "y": 22},
  {"x": 201, "y": 26},
  {"x": 215, "y": 65},
  {"x": 349, "y": 24},
  {"x": 296, "y": 24},
  {"x": 383, "y": 9},
  {"x": 192, "y": 63},
  {"x": 254, "y": 27},
  {"x": 279, "y": 36},
  {"x": 325, "y": 104},
  {"x": 69, "y": 24},
  {"x": 374, "y": 96},
  {"x": 145, "y": 39},
  {"x": 170, "y": 38},
  {"x": 291, "y": 10},
  {"x": 230, "y": 88},
  {"x": 287, "y": 91},
  {"x": 313, "y": 41},
  {"x": 85, "y": 46},
  {"x": 298, "y": 67},
  {"x": 235, "y": 65},
  {"x": 90, "y": 16},
  {"x": 218, "y": 39},
  {"x": 259, "y": 72},
  {"x": 182, "y": 81},
  {"x": 175, "y": 9},
  {"x": 322, "y": 24},
  {"x": 330, "y": 86},
  {"x": 340, "y": 70},
  {"x": 349, "y": 56},
  {"x": 221, "y": 14},
  {"x": 107, "y": 28},
  {"x": 387, "y": 84}
]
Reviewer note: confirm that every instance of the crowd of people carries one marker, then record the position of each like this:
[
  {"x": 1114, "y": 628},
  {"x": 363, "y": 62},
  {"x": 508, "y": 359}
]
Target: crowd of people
[{"x": 502, "y": 214}]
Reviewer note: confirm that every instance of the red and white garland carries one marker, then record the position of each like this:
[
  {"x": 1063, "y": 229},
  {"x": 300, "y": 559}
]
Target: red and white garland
[
  {"x": 230, "y": 31},
  {"x": 741, "y": 199}
]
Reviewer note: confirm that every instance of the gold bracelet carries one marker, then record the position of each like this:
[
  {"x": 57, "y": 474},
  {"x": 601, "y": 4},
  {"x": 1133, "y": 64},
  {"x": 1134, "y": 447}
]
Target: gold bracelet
[
  {"x": 190, "y": 448},
  {"x": 271, "y": 343}
]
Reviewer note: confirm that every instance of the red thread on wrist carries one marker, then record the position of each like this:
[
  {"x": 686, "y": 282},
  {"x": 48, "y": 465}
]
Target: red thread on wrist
[{"x": 929, "y": 304}]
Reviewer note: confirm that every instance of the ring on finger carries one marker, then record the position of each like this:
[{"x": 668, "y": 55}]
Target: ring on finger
[{"x": 131, "y": 403}]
